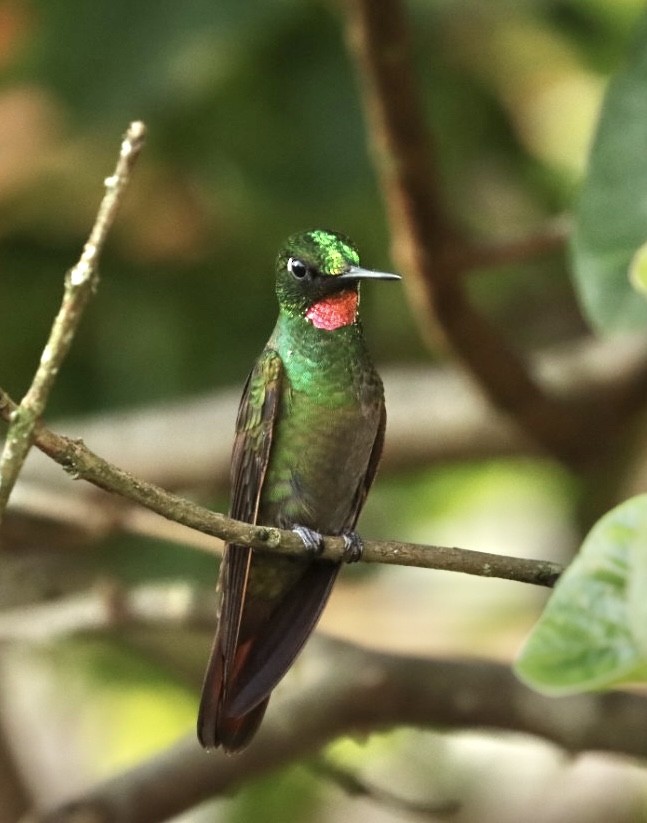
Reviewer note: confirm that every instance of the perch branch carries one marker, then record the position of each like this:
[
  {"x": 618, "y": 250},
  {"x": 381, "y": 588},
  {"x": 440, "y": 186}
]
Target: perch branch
[
  {"x": 80, "y": 283},
  {"x": 80, "y": 462},
  {"x": 377, "y": 692}
]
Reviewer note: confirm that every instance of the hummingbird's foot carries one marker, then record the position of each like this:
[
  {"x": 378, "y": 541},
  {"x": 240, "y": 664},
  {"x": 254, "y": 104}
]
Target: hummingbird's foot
[
  {"x": 312, "y": 540},
  {"x": 353, "y": 548}
]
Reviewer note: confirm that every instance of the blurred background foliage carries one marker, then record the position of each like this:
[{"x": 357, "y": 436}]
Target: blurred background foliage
[{"x": 255, "y": 131}]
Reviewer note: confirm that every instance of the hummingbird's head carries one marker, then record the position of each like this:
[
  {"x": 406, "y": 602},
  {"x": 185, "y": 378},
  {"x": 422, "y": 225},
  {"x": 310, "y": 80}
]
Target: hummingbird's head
[{"x": 318, "y": 275}]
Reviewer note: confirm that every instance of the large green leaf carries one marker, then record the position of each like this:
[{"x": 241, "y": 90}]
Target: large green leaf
[
  {"x": 611, "y": 218},
  {"x": 587, "y": 637},
  {"x": 637, "y": 590}
]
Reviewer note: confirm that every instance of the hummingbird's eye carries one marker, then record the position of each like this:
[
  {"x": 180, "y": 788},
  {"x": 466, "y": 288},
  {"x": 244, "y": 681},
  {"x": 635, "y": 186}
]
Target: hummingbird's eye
[{"x": 297, "y": 268}]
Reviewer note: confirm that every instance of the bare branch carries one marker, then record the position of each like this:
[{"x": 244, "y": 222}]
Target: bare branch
[
  {"x": 80, "y": 283},
  {"x": 377, "y": 692},
  {"x": 80, "y": 462}
]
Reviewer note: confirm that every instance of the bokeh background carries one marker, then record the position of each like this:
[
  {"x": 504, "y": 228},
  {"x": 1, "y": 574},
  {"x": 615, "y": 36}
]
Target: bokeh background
[{"x": 256, "y": 131}]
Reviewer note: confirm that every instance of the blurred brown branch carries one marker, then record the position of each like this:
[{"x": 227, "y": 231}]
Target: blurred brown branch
[
  {"x": 14, "y": 796},
  {"x": 80, "y": 462},
  {"x": 80, "y": 284},
  {"x": 109, "y": 605},
  {"x": 377, "y": 691},
  {"x": 432, "y": 254}
]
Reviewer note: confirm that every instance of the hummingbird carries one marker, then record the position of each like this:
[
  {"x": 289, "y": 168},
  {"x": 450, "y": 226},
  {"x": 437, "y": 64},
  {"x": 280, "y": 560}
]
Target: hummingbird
[{"x": 309, "y": 436}]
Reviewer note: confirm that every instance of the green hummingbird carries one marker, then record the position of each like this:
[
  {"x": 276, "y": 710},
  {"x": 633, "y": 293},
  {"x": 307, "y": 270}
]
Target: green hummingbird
[{"x": 309, "y": 436}]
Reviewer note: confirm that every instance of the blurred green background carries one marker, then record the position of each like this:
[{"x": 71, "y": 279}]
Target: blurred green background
[{"x": 256, "y": 131}]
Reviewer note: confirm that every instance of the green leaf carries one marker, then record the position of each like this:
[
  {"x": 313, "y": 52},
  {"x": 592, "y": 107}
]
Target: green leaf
[
  {"x": 587, "y": 638},
  {"x": 637, "y": 590},
  {"x": 611, "y": 218},
  {"x": 638, "y": 271}
]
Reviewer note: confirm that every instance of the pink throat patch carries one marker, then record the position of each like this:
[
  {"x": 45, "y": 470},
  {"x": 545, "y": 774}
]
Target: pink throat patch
[{"x": 335, "y": 311}]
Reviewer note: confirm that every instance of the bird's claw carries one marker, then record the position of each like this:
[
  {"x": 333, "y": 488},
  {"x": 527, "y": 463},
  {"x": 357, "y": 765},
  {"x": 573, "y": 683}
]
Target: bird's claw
[
  {"x": 312, "y": 540},
  {"x": 314, "y": 544},
  {"x": 353, "y": 548}
]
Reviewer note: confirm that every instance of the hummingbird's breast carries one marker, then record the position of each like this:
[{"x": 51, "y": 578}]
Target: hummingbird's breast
[{"x": 331, "y": 407}]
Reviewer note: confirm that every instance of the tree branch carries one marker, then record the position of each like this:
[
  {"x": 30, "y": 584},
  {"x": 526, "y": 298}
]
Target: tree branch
[
  {"x": 426, "y": 245},
  {"x": 80, "y": 462},
  {"x": 80, "y": 284},
  {"x": 377, "y": 691}
]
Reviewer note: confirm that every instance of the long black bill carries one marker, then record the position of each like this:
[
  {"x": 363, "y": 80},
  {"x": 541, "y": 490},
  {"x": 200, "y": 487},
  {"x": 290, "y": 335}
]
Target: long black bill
[{"x": 357, "y": 273}]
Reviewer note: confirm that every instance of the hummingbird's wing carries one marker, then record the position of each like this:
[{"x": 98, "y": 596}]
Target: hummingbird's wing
[
  {"x": 257, "y": 415},
  {"x": 297, "y": 614},
  {"x": 254, "y": 431},
  {"x": 371, "y": 471}
]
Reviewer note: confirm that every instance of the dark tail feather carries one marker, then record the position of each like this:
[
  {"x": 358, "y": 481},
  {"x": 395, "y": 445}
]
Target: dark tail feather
[
  {"x": 233, "y": 703},
  {"x": 211, "y": 699},
  {"x": 216, "y": 726},
  {"x": 272, "y": 653},
  {"x": 235, "y": 733}
]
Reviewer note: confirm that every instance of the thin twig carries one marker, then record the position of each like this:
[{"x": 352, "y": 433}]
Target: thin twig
[
  {"x": 376, "y": 692},
  {"x": 80, "y": 283},
  {"x": 355, "y": 786},
  {"x": 80, "y": 462}
]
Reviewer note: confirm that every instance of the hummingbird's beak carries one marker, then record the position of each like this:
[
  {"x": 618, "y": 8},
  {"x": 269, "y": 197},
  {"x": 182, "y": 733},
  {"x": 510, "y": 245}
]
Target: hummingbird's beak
[{"x": 357, "y": 273}]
